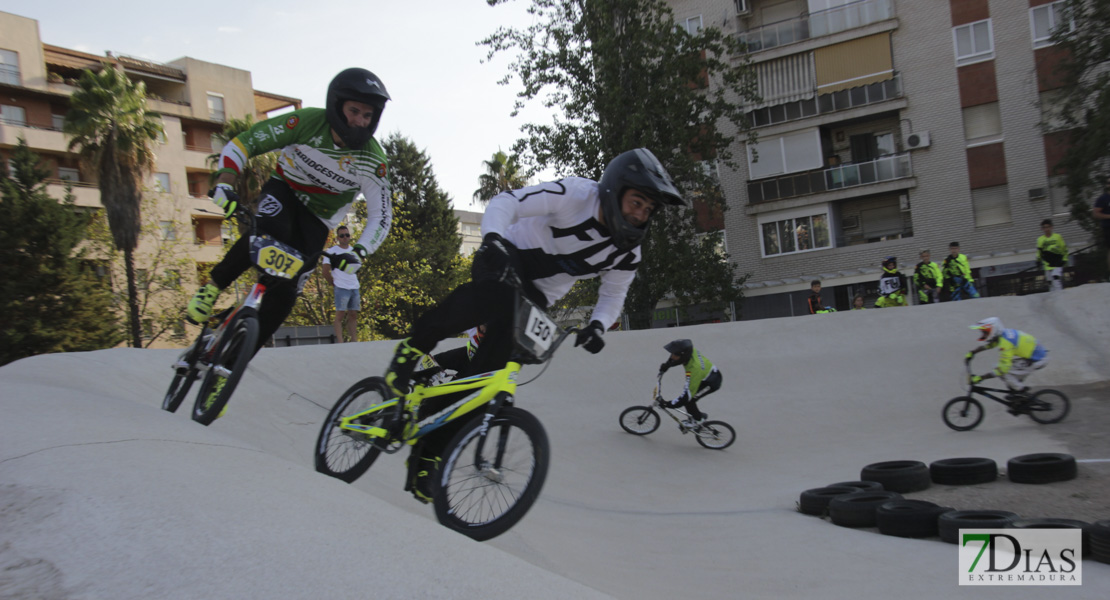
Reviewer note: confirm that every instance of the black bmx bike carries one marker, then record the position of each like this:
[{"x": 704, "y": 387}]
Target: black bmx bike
[
  {"x": 966, "y": 412},
  {"x": 642, "y": 420},
  {"x": 226, "y": 342}
]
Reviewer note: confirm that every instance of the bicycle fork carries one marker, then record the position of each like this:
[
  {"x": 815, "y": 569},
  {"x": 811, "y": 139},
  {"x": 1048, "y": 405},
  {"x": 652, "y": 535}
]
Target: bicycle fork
[{"x": 492, "y": 471}]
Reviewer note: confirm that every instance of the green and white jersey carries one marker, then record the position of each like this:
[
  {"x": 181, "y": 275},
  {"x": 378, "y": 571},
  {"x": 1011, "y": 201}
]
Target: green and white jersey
[{"x": 325, "y": 177}]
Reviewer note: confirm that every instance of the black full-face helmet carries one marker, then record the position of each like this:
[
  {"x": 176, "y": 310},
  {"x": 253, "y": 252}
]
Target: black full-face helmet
[
  {"x": 683, "y": 348},
  {"x": 359, "y": 85},
  {"x": 634, "y": 169}
]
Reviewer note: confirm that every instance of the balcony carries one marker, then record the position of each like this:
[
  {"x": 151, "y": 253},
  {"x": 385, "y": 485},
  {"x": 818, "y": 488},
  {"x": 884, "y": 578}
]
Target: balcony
[
  {"x": 820, "y": 23},
  {"x": 84, "y": 193},
  {"x": 886, "y": 168},
  {"x": 39, "y": 136},
  {"x": 873, "y": 93}
]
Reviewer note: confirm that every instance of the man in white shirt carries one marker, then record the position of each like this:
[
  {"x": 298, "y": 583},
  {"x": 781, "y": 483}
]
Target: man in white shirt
[{"x": 347, "y": 300}]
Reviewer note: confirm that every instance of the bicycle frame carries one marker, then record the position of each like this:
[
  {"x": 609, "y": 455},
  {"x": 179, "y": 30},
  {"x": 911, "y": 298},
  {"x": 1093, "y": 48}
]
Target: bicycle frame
[
  {"x": 493, "y": 389},
  {"x": 986, "y": 391},
  {"x": 669, "y": 410}
]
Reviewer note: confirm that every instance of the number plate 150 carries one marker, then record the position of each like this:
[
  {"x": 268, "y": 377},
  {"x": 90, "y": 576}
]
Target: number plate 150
[{"x": 540, "y": 329}]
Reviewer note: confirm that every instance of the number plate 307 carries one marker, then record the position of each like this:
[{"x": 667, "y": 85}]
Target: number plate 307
[
  {"x": 540, "y": 329},
  {"x": 279, "y": 262}
]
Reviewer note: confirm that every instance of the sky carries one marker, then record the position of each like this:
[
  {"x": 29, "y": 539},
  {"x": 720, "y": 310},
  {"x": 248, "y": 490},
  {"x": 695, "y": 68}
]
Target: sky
[{"x": 444, "y": 98}]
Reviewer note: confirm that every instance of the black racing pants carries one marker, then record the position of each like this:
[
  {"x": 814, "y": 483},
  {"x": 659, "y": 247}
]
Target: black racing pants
[
  {"x": 288, "y": 220},
  {"x": 469, "y": 305},
  {"x": 709, "y": 385}
]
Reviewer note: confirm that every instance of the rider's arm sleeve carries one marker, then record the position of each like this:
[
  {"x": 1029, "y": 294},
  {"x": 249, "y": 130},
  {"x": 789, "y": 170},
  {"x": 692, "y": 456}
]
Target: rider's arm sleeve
[{"x": 379, "y": 214}]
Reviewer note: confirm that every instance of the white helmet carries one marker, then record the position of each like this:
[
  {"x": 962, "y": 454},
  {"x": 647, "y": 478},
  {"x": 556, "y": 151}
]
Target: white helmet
[{"x": 990, "y": 328}]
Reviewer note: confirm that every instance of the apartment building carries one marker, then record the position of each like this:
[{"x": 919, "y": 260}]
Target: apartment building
[
  {"x": 886, "y": 127},
  {"x": 470, "y": 230},
  {"x": 193, "y": 97}
]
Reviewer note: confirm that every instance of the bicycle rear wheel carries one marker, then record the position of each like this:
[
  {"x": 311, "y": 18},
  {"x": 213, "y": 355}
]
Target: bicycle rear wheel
[
  {"x": 963, "y": 413},
  {"x": 715, "y": 435},
  {"x": 482, "y": 494},
  {"x": 1049, "y": 406},
  {"x": 229, "y": 361},
  {"x": 183, "y": 378},
  {"x": 639, "y": 420},
  {"x": 344, "y": 454}
]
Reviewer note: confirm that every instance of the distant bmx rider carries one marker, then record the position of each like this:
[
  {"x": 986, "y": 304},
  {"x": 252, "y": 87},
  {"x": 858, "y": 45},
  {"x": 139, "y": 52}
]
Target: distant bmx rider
[
  {"x": 702, "y": 378},
  {"x": 1019, "y": 353}
]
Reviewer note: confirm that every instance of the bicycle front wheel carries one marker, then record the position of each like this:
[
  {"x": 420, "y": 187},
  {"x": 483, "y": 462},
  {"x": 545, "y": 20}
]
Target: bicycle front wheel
[
  {"x": 715, "y": 435},
  {"x": 963, "y": 413},
  {"x": 481, "y": 493},
  {"x": 183, "y": 378},
  {"x": 1049, "y": 406},
  {"x": 344, "y": 454},
  {"x": 639, "y": 420},
  {"x": 229, "y": 362}
]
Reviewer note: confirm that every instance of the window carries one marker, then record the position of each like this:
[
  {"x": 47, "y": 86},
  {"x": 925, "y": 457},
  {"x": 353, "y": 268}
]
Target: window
[
  {"x": 216, "y": 106},
  {"x": 57, "y": 122},
  {"x": 991, "y": 205},
  {"x": 692, "y": 25},
  {"x": 9, "y": 67},
  {"x": 982, "y": 122},
  {"x": 1058, "y": 195},
  {"x": 1044, "y": 20},
  {"x": 974, "y": 42},
  {"x": 162, "y": 182},
  {"x": 169, "y": 231},
  {"x": 800, "y": 233},
  {"x": 791, "y": 153},
  {"x": 173, "y": 278},
  {"x": 148, "y": 329},
  {"x": 217, "y": 142},
  {"x": 68, "y": 174},
  {"x": 13, "y": 115}
]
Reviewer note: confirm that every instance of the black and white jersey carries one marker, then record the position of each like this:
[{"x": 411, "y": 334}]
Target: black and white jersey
[{"x": 556, "y": 229}]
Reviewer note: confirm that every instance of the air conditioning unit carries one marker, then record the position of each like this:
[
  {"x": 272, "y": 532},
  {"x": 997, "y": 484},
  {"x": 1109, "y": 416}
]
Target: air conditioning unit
[
  {"x": 743, "y": 7},
  {"x": 1037, "y": 193},
  {"x": 917, "y": 140}
]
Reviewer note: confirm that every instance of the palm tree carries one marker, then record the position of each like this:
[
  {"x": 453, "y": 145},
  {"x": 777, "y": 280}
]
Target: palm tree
[
  {"x": 502, "y": 173},
  {"x": 112, "y": 131}
]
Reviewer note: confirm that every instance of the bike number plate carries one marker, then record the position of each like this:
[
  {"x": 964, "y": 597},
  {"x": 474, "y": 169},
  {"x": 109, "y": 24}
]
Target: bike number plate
[
  {"x": 278, "y": 262},
  {"x": 540, "y": 329}
]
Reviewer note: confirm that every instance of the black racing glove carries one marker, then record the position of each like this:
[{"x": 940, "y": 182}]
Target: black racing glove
[
  {"x": 361, "y": 252},
  {"x": 663, "y": 368},
  {"x": 590, "y": 337},
  {"x": 494, "y": 259},
  {"x": 346, "y": 262}
]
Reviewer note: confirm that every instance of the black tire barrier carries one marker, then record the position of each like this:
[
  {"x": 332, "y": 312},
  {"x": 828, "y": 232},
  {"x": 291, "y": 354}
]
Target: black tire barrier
[
  {"x": 858, "y": 508},
  {"x": 963, "y": 471},
  {"x": 1041, "y": 468},
  {"x": 863, "y": 486},
  {"x": 1052, "y": 523},
  {"x": 902, "y": 476},
  {"x": 909, "y": 518},
  {"x": 816, "y": 501},
  {"x": 1099, "y": 535},
  {"x": 950, "y": 523}
]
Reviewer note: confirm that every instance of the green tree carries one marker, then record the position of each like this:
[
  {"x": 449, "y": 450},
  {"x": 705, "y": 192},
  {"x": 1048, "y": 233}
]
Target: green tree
[
  {"x": 49, "y": 299},
  {"x": 164, "y": 271},
  {"x": 503, "y": 173},
  {"x": 623, "y": 75},
  {"x": 111, "y": 129},
  {"x": 1085, "y": 104},
  {"x": 257, "y": 170},
  {"x": 417, "y": 265}
]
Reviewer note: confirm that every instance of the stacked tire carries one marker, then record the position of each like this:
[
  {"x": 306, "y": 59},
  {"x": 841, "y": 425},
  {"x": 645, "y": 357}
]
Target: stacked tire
[
  {"x": 909, "y": 518},
  {"x": 950, "y": 523},
  {"x": 1051, "y": 523},
  {"x": 902, "y": 476},
  {"x": 1099, "y": 536},
  {"x": 1041, "y": 468},
  {"x": 858, "y": 509},
  {"x": 963, "y": 471},
  {"x": 816, "y": 501}
]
